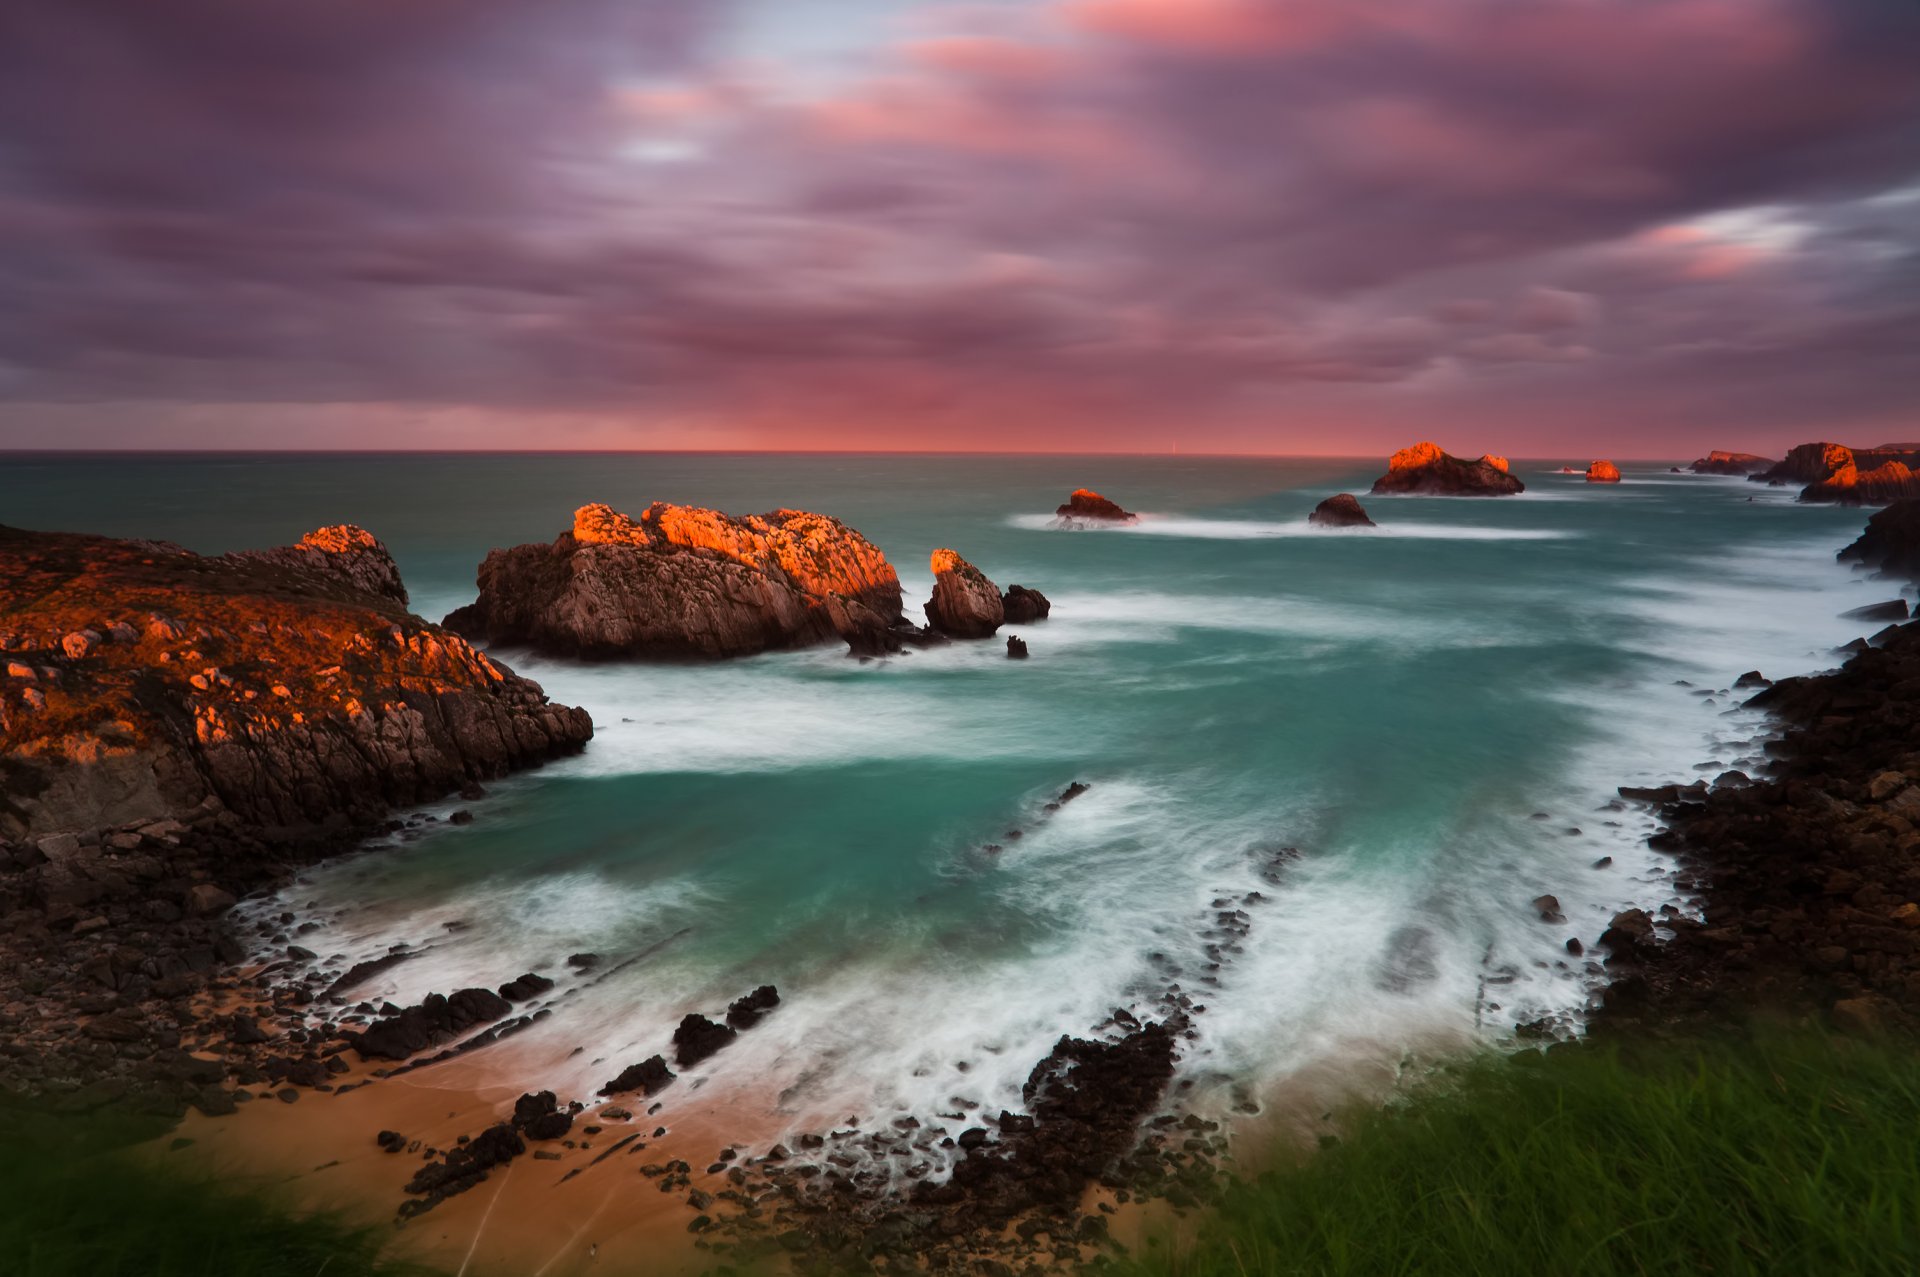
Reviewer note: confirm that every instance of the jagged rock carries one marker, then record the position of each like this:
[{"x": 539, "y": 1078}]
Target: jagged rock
[
  {"x": 649, "y": 1077},
  {"x": 1890, "y": 542},
  {"x": 1342, "y": 510},
  {"x": 521, "y": 988},
  {"x": 681, "y": 582},
  {"x": 1807, "y": 463},
  {"x": 1741, "y": 463},
  {"x": 1603, "y": 472},
  {"x": 965, "y": 604},
  {"x": 1021, "y": 606},
  {"x": 288, "y": 687},
  {"x": 747, "y": 1011},
  {"x": 1016, "y": 648},
  {"x": 1887, "y": 482},
  {"x": 1085, "y": 503},
  {"x": 697, "y": 1038},
  {"x": 435, "y": 1020},
  {"x": 541, "y": 1117},
  {"x": 1425, "y": 470}
]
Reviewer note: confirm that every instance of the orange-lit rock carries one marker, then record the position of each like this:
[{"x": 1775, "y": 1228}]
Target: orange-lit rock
[
  {"x": 1603, "y": 472},
  {"x": 681, "y": 582},
  {"x": 1498, "y": 463},
  {"x": 1718, "y": 462},
  {"x": 965, "y": 604},
  {"x": 1887, "y": 482},
  {"x": 289, "y": 687},
  {"x": 1425, "y": 470},
  {"x": 1342, "y": 510},
  {"x": 1085, "y": 503}
]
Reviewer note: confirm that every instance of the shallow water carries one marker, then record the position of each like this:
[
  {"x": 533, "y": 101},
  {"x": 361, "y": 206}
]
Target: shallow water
[{"x": 1400, "y": 705}]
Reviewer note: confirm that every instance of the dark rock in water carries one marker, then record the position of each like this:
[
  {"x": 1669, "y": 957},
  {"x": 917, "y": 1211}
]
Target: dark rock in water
[
  {"x": 1021, "y": 606},
  {"x": 1891, "y": 610},
  {"x": 1067, "y": 795},
  {"x": 649, "y": 1077},
  {"x": 1085, "y": 503},
  {"x": 1740, "y": 463},
  {"x": 1016, "y": 648},
  {"x": 1891, "y": 542},
  {"x": 1753, "y": 678},
  {"x": 1425, "y": 470},
  {"x": 747, "y": 1011},
  {"x": 1630, "y": 932},
  {"x": 681, "y": 582},
  {"x": 435, "y": 1020},
  {"x": 697, "y": 1038},
  {"x": 360, "y": 972},
  {"x": 541, "y": 1116},
  {"x": 583, "y": 961},
  {"x": 965, "y": 604},
  {"x": 521, "y": 988},
  {"x": 1343, "y": 510},
  {"x": 1549, "y": 908}
]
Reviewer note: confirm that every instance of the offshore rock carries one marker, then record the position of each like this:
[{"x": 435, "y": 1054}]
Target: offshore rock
[
  {"x": 1021, "y": 606},
  {"x": 1342, "y": 510},
  {"x": 1085, "y": 503},
  {"x": 1425, "y": 470},
  {"x": 681, "y": 582},
  {"x": 1603, "y": 472},
  {"x": 289, "y": 688},
  {"x": 1807, "y": 463},
  {"x": 965, "y": 604},
  {"x": 1741, "y": 463},
  {"x": 1849, "y": 485},
  {"x": 1891, "y": 541},
  {"x": 1016, "y": 648}
]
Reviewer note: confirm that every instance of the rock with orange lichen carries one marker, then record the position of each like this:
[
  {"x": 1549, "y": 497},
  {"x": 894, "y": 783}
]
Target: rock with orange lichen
[
  {"x": 965, "y": 604},
  {"x": 289, "y": 686},
  {"x": 1603, "y": 472},
  {"x": 1085, "y": 503},
  {"x": 1425, "y": 470},
  {"x": 680, "y": 582}
]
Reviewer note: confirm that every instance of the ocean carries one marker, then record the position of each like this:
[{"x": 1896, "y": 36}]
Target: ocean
[{"x": 1380, "y": 746}]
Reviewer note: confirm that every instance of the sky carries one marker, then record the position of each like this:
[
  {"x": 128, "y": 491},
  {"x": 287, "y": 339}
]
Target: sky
[{"x": 1533, "y": 227}]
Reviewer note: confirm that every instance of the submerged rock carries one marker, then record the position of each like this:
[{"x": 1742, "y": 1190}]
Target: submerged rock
[
  {"x": 1085, "y": 503},
  {"x": 1342, "y": 510},
  {"x": 1021, "y": 606},
  {"x": 1603, "y": 472},
  {"x": 965, "y": 604},
  {"x": 681, "y": 582},
  {"x": 1741, "y": 463},
  {"x": 1425, "y": 470}
]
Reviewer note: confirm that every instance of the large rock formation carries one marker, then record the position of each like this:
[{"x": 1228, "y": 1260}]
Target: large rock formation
[
  {"x": 1085, "y": 503},
  {"x": 965, "y": 604},
  {"x": 1807, "y": 463},
  {"x": 1603, "y": 472},
  {"x": 1849, "y": 485},
  {"x": 1020, "y": 606},
  {"x": 1891, "y": 541},
  {"x": 1742, "y": 463},
  {"x": 681, "y": 582},
  {"x": 1342, "y": 510},
  {"x": 1425, "y": 470},
  {"x": 290, "y": 687}
]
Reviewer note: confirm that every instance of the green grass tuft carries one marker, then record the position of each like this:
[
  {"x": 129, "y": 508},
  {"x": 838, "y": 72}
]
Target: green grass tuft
[{"x": 1785, "y": 1153}]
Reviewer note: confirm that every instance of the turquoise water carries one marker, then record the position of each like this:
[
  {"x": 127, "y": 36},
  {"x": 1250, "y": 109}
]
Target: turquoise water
[{"x": 1435, "y": 714}]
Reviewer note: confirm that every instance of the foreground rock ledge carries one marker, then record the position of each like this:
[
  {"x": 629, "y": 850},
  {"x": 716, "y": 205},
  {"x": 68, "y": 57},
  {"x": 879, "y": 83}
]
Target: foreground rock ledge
[
  {"x": 1426, "y": 470},
  {"x": 684, "y": 583},
  {"x": 291, "y": 687}
]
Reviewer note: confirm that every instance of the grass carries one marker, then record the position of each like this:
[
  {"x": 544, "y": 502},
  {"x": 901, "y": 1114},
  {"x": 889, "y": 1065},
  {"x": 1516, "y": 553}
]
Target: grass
[
  {"x": 1779, "y": 1153},
  {"x": 73, "y": 1203}
]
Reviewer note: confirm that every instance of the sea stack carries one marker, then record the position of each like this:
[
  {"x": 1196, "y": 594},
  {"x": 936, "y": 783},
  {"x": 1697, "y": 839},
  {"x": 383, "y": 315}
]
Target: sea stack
[
  {"x": 1603, "y": 472},
  {"x": 965, "y": 604},
  {"x": 1342, "y": 510},
  {"x": 1740, "y": 463},
  {"x": 1085, "y": 503},
  {"x": 1891, "y": 542},
  {"x": 681, "y": 582},
  {"x": 1425, "y": 470}
]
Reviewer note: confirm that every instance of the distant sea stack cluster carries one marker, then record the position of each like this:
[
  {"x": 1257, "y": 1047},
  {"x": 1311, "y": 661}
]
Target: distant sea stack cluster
[
  {"x": 1426, "y": 470},
  {"x": 1834, "y": 472}
]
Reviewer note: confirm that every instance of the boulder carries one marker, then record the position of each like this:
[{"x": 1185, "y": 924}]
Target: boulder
[
  {"x": 1085, "y": 503},
  {"x": 747, "y": 1011},
  {"x": 680, "y": 582},
  {"x": 1740, "y": 463},
  {"x": 965, "y": 604},
  {"x": 1021, "y": 606},
  {"x": 1016, "y": 648},
  {"x": 1342, "y": 510},
  {"x": 697, "y": 1038},
  {"x": 649, "y": 1077},
  {"x": 1603, "y": 472},
  {"x": 1425, "y": 470}
]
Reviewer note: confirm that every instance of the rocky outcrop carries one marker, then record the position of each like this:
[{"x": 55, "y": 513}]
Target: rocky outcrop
[
  {"x": 1603, "y": 472},
  {"x": 1021, "y": 606},
  {"x": 1342, "y": 510},
  {"x": 1497, "y": 462},
  {"x": 1849, "y": 485},
  {"x": 680, "y": 582},
  {"x": 1425, "y": 470},
  {"x": 1016, "y": 648},
  {"x": 1891, "y": 541},
  {"x": 289, "y": 687},
  {"x": 1085, "y": 503},
  {"x": 1807, "y": 463},
  {"x": 965, "y": 604},
  {"x": 1741, "y": 463}
]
